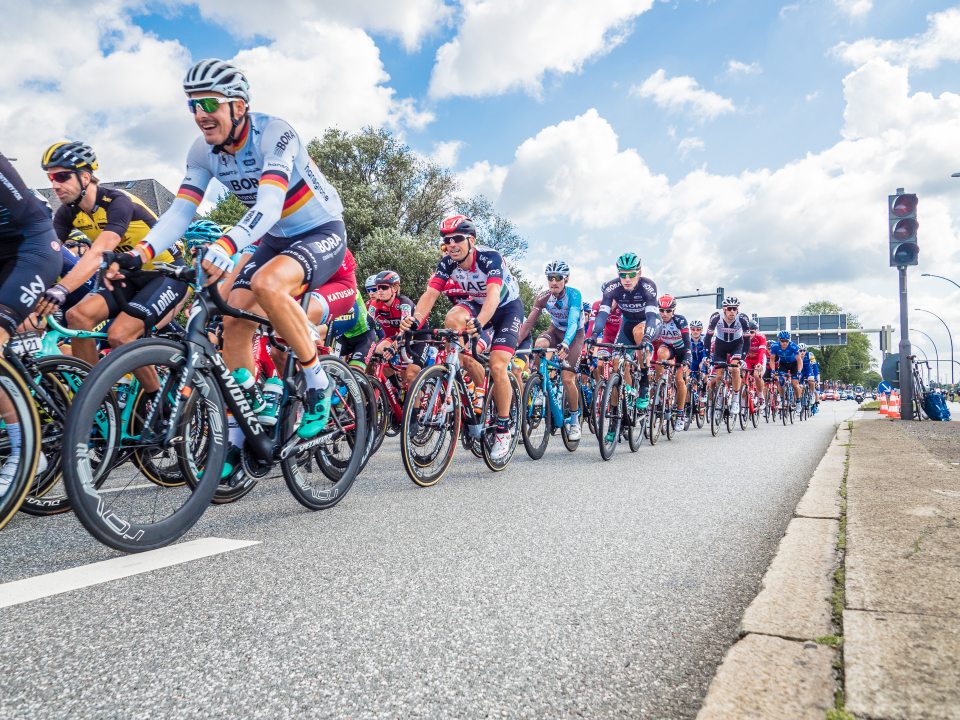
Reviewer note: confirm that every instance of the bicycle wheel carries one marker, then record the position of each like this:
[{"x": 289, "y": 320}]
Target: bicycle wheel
[
  {"x": 159, "y": 465},
  {"x": 657, "y": 399},
  {"x": 338, "y": 449},
  {"x": 536, "y": 422},
  {"x": 381, "y": 420},
  {"x": 489, "y": 424},
  {"x": 669, "y": 420},
  {"x": 426, "y": 467},
  {"x": 569, "y": 444},
  {"x": 716, "y": 411},
  {"x": 371, "y": 413},
  {"x": 585, "y": 407},
  {"x": 123, "y": 511},
  {"x": 744, "y": 406},
  {"x": 636, "y": 418},
  {"x": 754, "y": 410},
  {"x": 23, "y": 456},
  {"x": 700, "y": 410},
  {"x": 608, "y": 418}
]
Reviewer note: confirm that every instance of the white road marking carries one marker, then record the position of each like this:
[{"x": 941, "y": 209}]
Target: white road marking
[{"x": 21, "y": 591}]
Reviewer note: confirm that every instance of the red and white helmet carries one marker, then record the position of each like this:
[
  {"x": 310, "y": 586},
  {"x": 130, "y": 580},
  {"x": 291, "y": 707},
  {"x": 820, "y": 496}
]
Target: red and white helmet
[
  {"x": 667, "y": 302},
  {"x": 458, "y": 224}
]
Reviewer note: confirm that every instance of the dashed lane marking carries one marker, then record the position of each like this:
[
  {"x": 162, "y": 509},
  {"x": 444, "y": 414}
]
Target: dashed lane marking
[{"x": 41, "y": 586}]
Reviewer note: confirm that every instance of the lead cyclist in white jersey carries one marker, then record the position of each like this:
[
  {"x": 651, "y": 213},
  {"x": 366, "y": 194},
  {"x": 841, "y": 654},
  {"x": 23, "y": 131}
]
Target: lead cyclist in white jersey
[{"x": 295, "y": 215}]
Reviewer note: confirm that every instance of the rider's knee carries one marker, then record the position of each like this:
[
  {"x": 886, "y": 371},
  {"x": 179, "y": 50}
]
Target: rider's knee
[{"x": 78, "y": 319}]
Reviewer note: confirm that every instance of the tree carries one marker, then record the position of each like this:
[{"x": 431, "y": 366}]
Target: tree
[
  {"x": 838, "y": 362},
  {"x": 227, "y": 211}
]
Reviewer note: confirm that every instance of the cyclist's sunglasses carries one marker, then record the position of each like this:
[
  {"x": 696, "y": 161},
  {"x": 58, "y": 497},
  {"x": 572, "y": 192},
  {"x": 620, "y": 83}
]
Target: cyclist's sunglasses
[
  {"x": 554, "y": 278},
  {"x": 207, "y": 104},
  {"x": 629, "y": 274},
  {"x": 384, "y": 287},
  {"x": 60, "y": 177},
  {"x": 71, "y": 245},
  {"x": 456, "y": 238},
  {"x": 665, "y": 310}
]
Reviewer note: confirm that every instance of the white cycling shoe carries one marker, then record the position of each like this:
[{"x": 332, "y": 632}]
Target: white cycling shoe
[
  {"x": 573, "y": 431},
  {"x": 501, "y": 446},
  {"x": 735, "y": 406}
]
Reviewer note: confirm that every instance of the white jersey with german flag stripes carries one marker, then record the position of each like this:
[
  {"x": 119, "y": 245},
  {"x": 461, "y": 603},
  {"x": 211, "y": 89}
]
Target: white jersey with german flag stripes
[{"x": 271, "y": 173}]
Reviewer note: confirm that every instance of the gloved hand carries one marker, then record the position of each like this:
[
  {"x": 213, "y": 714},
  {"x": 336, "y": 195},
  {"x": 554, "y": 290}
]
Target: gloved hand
[{"x": 217, "y": 256}]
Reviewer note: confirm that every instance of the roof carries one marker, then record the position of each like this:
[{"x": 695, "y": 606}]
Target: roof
[{"x": 154, "y": 195}]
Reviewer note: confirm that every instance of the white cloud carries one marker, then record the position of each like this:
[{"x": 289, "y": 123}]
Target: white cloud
[
  {"x": 736, "y": 67},
  {"x": 813, "y": 95},
  {"x": 410, "y": 20},
  {"x": 504, "y": 45},
  {"x": 137, "y": 122},
  {"x": 940, "y": 42},
  {"x": 814, "y": 228},
  {"x": 689, "y": 144},
  {"x": 683, "y": 93},
  {"x": 482, "y": 178},
  {"x": 787, "y": 9},
  {"x": 856, "y": 9},
  {"x": 445, "y": 154}
]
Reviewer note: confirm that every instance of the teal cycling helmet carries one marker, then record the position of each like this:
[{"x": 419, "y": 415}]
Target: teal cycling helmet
[
  {"x": 202, "y": 232},
  {"x": 628, "y": 261}
]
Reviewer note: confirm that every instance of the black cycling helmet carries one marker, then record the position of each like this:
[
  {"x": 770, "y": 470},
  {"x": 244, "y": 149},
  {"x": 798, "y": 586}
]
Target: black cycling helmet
[
  {"x": 753, "y": 325},
  {"x": 71, "y": 155},
  {"x": 388, "y": 277}
]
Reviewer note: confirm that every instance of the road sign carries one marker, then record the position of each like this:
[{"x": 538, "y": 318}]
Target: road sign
[
  {"x": 806, "y": 324},
  {"x": 902, "y": 220},
  {"x": 772, "y": 324},
  {"x": 890, "y": 370}
]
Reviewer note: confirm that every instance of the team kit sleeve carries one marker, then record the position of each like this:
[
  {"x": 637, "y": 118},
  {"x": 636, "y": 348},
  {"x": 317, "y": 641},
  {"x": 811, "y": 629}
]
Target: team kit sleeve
[
  {"x": 651, "y": 330},
  {"x": 119, "y": 215},
  {"x": 606, "y": 303},
  {"x": 745, "y": 329},
  {"x": 442, "y": 274},
  {"x": 174, "y": 222},
  {"x": 538, "y": 305},
  {"x": 711, "y": 328},
  {"x": 573, "y": 323},
  {"x": 283, "y": 146},
  {"x": 684, "y": 335},
  {"x": 27, "y": 215},
  {"x": 492, "y": 265}
]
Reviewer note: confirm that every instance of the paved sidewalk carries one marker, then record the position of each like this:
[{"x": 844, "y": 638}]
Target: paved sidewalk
[{"x": 902, "y": 614}]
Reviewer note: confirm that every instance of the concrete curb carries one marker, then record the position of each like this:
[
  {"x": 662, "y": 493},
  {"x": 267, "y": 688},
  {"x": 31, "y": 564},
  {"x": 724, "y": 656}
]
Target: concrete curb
[{"x": 777, "y": 670}]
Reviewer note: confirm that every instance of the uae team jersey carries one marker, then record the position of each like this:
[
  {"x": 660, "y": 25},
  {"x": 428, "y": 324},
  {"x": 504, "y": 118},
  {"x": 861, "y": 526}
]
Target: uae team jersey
[
  {"x": 488, "y": 268},
  {"x": 271, "y": 173},
  {"x": 676, "y": 333}
]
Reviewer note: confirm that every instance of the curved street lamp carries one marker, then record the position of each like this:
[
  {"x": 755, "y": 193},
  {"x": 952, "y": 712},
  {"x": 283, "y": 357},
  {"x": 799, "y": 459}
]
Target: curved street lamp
[
  {"x": 949, "y": 334},
  {"x": 935, "y": 352}
]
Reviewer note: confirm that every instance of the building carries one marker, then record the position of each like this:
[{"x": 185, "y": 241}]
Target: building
[{"x": 154, "y": 195}]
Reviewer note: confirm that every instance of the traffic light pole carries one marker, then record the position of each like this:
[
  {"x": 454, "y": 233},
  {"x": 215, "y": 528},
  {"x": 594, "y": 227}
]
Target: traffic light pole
[{"x": 906, "y": 373}]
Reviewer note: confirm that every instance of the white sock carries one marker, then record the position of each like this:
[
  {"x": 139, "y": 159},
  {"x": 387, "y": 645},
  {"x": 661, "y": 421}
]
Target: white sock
[
  {"x": 314, "y": 375},
  {"x": 13, "y": 430}
]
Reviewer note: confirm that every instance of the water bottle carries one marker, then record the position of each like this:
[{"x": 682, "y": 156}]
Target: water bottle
[
  {"x": 272, "y": 391},
  {"x": 123, "y": 390},
  {"x": 431, "y": 356},
  {"x": 245, "y": 380}
]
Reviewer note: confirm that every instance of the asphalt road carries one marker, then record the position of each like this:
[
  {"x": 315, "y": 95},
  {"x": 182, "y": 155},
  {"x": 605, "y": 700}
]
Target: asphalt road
[{"x": 566, "y": 587}]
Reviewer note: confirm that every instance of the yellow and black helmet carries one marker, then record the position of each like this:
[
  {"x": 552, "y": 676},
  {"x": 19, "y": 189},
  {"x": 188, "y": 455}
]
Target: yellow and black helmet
[{"x": 72, "y": 155}]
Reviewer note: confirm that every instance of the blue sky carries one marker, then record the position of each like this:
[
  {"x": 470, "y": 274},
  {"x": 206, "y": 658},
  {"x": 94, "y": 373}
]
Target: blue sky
[{"x": 740, "y": 143}]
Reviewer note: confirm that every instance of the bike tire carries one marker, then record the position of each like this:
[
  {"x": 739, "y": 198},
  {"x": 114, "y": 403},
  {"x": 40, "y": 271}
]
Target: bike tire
[
  {"x": 716, "y": 413},
  {"x": 105, "y": 516},
  {"x": 383, "y": 411},
  {"x": 657, "y": 398},
  {"x": 536, "y": 421},
  {"x": 754, "y": 412},
  {"x": 744, "y": 407},
  {"x": 571, "y": 445},
  {"x": 345, "y": 433},
  {"x": 430, "y": 474},
  {"x": 25, "y": 410},
  {"x": 608, "y": 418},
  {"x": 371, "y": 411}
]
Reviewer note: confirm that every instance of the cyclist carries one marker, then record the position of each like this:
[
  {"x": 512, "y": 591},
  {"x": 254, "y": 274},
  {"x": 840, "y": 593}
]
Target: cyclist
[
  {"x": 636, "y": 296},
  {"x": 698, "y": 356},
  {"x": 390, "y": 308},
  {"x": 673, "y": 345},
  {"x": 294, "y": 213},
  {"x": 30, "y": 261},
  {"x": 565, "y": 333},
  {"x": 494, "y": 301},
  {"x": 611, "y": 330},
  {"x": 113, "y": 220},
  {"x": 357, "y": 339},
  {"x": 77, "y": 243},
  {"x": 810, "y": 373},
  {"x": 788, "y": 358},
  {"x": 756, "y": 357},
  {"x": 731, "y": 344}
]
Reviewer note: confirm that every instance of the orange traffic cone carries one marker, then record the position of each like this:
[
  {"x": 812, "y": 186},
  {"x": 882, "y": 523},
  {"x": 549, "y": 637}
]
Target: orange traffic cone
[
  {"x": 883, "y": 404},
  {"x": 894, "y": 406}
]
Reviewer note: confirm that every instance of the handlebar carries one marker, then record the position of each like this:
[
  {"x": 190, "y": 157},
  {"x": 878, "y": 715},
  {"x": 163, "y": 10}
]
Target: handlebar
[{"x": 444, "y": 334}]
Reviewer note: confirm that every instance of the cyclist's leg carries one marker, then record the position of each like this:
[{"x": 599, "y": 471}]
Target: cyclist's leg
[
  {"x": 456, "y": 319},
  {"x": 506, "y": 323},
  {"x": 569, "y": 373},
  {"x": 681, "y": 376},
  {"x": 87, "y": 314},
  {"x": 237, "y": 333}
]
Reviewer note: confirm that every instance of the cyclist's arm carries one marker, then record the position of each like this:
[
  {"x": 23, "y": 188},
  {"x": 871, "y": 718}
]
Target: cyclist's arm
[
  {"x": 119, "y": 217},
  {"x": 490, "y": 303},
  {"x": 27, "y": 215},
  {"x": 272, "y": 191},
  {"x": 573, "y": 325},
  {"x": 606, "y": 307},
  {"x": 424, "y": 306},
  {"x": 538, "y": 305},
  {"x": 177, "y": 218}
]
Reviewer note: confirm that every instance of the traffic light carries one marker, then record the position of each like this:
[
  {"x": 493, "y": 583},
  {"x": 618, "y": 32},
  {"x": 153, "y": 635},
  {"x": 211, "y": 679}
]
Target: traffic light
[
  {"x": 719, "y": 298},
  {"x": 903, "y": 229}
]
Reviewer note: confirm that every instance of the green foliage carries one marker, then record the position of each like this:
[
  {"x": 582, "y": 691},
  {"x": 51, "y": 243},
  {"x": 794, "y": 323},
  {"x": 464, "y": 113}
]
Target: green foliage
[
  {"x": 383, "y": 185},
  {"x": 227, "y": 211},
  {"x": 871, "y": 380},
  {"x": 837, "y": 361}
]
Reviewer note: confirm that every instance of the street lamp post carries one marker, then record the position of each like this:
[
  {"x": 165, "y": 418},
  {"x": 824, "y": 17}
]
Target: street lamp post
[
  {"x": 935, "y": 351},
  {"x": 949, "y": 335},
  {"x": 958, "y": 286}
]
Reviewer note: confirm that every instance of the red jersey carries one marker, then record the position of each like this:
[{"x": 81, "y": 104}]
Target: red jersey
[
  {"x": 389, "y": 315},
  {"x": 612, "y": 326},
  {"x": 757, "y": 355}
]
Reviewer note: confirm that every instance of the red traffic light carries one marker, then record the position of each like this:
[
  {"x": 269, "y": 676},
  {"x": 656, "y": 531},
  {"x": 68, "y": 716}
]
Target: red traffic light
[
  {"x": 905, "y": 229},
  {"x": 905, "y": 205}
]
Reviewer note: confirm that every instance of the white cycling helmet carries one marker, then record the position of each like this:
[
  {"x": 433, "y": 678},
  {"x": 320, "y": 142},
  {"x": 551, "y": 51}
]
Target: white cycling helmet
[
  {"x": 731, "y": 302},
  {"x": 215, "y": 75},
  {"x": 558, "y": 267},
  {"x": 371, "y": 283},
  {"x": 803, "y": 347}
]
